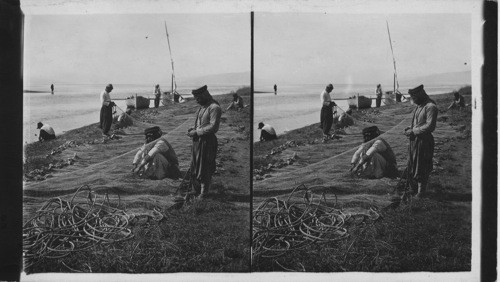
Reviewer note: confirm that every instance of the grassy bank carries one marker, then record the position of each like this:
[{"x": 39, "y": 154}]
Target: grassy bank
[
  {"x": 430, "y": 234},
  {"x": 211, "y": 235}
]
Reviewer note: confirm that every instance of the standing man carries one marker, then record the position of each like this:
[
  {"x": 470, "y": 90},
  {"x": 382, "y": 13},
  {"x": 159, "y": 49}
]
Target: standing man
[
  {"x": 275, "y": 89},
  {"x": 204, "y": 149},
  {"x": 421, "y": 148},
  {"x": 378, "y": 92},
  {"x": 106, "y": 117},
  {"x": 157, "y": 95},
  {"x": 46, "y": 132},
  {"x": 52, "y": 88},
  {"x": 398, "y": 96},
  {"x": 326, "y": 117}
]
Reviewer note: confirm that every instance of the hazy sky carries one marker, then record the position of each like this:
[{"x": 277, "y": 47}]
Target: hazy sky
[
  {"x": 354, "y": 48},
  {"x": 132, "y": 48},
  {"x": 339, "y": 41}
]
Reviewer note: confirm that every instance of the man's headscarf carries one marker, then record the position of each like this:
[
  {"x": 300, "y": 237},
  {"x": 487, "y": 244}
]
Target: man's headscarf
[
  {"x": 204, "y": 91},
  {"x": 370, "y": 132},
  {"x": 152, "y": 133},
  {"x": 419, "y": 92}
]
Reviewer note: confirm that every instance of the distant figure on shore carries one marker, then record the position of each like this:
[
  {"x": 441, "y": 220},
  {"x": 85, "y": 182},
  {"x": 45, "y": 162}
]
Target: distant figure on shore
[
  {"x": 156, "y": 159},
  {"x": 157, "y": 95},
  {"x": 267, "y": 132},
  {"x": 46, "y": 132},
  {"x": 374, "y": 158},
  {"x": 52, "y": 88},
  {"x": 237, "y": 103},
  {"x": 458, "y": 101},
  {"x": 106, "y": 116},
  {"x": 275, "y": 89},
  {"x": 398, "y": 96},
  {"x": 378, "y": 93},
  {"x": 176, "y": 97},
  {"x": 421, "y": 147},
  {"x": 204, "y": 150},
  {"x": 326, "y": 117}
]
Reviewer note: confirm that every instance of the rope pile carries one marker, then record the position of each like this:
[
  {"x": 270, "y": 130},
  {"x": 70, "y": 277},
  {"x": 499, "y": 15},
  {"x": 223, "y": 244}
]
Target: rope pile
[
  {"x": 281, "y": 226},
  {"x": 61, "y": 227}
]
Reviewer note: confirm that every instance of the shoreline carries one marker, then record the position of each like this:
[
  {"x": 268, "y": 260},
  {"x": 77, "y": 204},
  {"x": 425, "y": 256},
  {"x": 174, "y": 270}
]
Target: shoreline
[
  {"x": 257, "y": 132},
  {"x": 84, "y": 116}
]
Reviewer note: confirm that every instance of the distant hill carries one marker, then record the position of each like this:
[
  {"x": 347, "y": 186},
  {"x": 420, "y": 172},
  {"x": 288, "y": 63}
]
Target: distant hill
[
  {"x": 451, "y": 78},
  {"x": 238, "y": 78}
]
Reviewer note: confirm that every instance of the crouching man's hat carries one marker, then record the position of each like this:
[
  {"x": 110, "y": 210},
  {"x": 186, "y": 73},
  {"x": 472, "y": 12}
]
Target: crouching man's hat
[
  {"x": 39, "y": 125},
  {"x": 200, "y": 90},
  {"x": 152, "y": 131},
  {"x": 261, "y": 125},
  {"x": 372, "y": 130},
  {"x": 416, "y": 90}
]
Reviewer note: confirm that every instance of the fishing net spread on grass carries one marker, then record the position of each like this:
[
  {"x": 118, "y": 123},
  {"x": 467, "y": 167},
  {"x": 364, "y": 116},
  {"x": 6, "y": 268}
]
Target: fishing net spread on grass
[
  {"x": 61, "y": 227},
  {"x": 281, "y": 226}
]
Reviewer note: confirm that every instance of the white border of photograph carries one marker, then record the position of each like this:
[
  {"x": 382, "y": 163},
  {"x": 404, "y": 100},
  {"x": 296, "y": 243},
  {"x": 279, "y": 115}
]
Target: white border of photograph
[{"x": 472, "y": 7}]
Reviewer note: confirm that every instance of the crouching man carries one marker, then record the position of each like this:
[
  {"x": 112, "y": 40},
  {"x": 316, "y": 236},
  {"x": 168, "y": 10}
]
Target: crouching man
[
  {"x": 46, "y": 132},
  {"x": 374, "y": 158},
  {"x": 267, "y": 132},
  {"x": 156, "y": 159}
]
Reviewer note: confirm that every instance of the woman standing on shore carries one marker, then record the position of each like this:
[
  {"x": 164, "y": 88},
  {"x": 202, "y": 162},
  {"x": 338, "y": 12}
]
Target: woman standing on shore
[
  {"x": 421, "y": 148},
  {"x": 106, "y": 117},
  {"x": 326, "y": 117}
]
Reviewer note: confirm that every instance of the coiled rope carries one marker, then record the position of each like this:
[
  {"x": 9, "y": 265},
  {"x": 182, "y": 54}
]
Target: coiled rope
[
  {"x": 281, "y": 226},
  {"x": 61, "y": 227}
]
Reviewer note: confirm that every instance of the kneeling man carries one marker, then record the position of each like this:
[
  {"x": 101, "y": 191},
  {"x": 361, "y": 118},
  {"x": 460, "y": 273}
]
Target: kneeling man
[
  {"x": 374, "y": 158},
  {"x": 156, "y": 158}
]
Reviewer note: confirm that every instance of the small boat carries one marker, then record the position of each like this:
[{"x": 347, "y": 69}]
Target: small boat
[
  {"x": 137, "y": 102},
  {"x": 359, "y": 102}
]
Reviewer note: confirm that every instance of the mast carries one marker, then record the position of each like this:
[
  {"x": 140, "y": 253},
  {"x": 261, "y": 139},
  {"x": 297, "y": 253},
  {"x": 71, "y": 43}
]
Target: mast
[
  {"x": 393, "y": 61},
  {"x": 173, "y": 83}
]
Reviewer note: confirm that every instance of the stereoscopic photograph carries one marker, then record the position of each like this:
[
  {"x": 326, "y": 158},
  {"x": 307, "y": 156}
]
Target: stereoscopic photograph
[
  {"x": 250, "y": 140},
  {"x": 136, "y": 142},
  {"x": 362, "y": 142}
]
